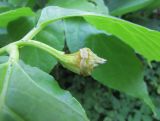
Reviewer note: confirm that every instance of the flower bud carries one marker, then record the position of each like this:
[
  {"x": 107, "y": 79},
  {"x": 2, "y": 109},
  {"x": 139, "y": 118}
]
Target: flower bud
[{"x": 81, "y": 62}]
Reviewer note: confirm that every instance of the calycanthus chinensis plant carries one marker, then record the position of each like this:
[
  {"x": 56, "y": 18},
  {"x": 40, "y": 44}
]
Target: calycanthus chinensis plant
[
  {"x": 21, "y": 85},
  {"x": 81, "y": 62}
]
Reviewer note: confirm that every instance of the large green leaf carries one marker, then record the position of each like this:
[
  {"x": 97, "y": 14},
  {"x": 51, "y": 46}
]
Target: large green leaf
[
  {"x": 123, "y": 71},
  {"x": 120, "y": 7},
  {"x": 52, "y": 35},
  {"x": 87, "y": 5},
  {"x": 145, "y": 41},
  {"x": 30, "y": 94},
  {"x": 11, "y": 15}
]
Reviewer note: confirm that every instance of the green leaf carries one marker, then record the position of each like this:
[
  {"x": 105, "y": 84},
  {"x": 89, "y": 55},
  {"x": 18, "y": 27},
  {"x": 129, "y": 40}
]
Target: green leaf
[
  {"x": 3, "y": 59},
  {"x": 87, "y": 5},
  {"x": 123, "y": 71},
  {"x": 142, "y": 39},
  {"x": 11, "y": 15},
  {"x": 33, "y": 95},
  {"x": 77, "y": 30},
  {"x": 52, "y": 35},
  {"x": 120, "y": 7},
  {"x": 25, "y": 24}
]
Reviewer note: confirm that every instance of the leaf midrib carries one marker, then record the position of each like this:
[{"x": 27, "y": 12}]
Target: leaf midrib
[{"x": 4, "y": 93}]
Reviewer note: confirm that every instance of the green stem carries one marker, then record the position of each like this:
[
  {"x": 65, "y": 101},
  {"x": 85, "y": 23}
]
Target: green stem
[
  {"x": 57, "y": 54},
  {"x": 13, "y": 51},
  {"x": 31, "y": 34}
]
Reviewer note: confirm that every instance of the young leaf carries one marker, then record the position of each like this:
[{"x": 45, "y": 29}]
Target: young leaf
[
  {"x": 142, "y": 39},
  {"x": 11, "y": 15},
  {"x": 33, "y": 95}
]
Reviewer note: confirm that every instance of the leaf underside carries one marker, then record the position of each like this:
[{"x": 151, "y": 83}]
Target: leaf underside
[{"x": 33, "y": 95}]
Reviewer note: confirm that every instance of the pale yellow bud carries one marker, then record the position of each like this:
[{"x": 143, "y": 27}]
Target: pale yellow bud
[{"x": 81, "y": 62}]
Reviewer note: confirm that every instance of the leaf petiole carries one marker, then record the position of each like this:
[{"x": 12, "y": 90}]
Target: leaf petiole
[
  {"x": 13, "y": 51},
  {"x": 56, "y": 53},
  {"x": 31, "y": 33}
]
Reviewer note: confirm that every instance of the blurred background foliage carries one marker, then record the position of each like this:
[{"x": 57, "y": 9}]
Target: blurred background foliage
[{"x": 102, "y": 103}]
